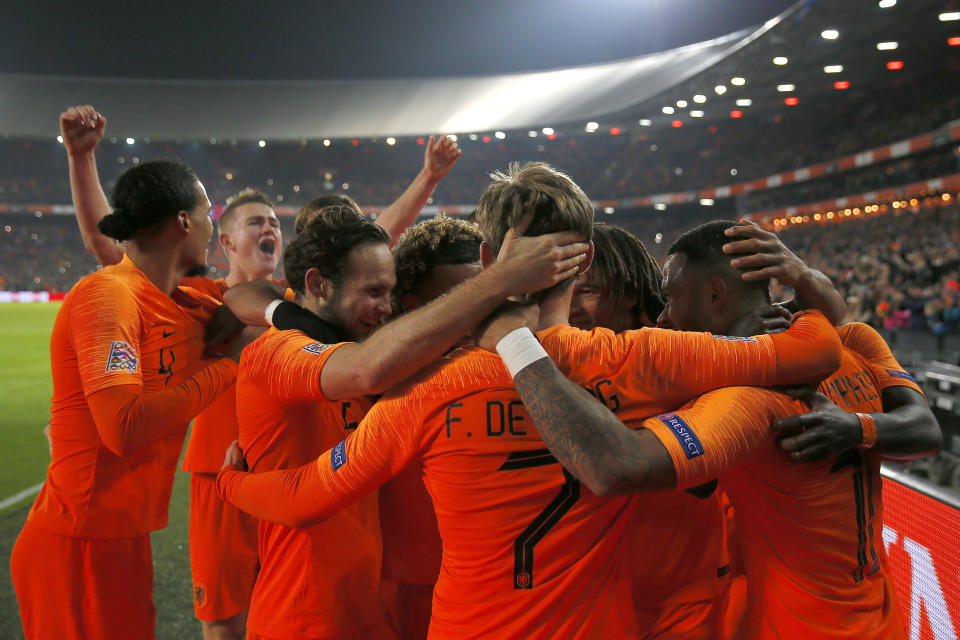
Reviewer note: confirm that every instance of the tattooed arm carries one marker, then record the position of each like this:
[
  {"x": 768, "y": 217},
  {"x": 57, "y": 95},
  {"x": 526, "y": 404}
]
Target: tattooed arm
[{"x": 588, "y": 439}]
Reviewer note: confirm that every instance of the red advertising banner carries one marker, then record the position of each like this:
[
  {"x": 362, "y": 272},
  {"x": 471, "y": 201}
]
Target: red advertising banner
[{"x": 922, "y": 538}]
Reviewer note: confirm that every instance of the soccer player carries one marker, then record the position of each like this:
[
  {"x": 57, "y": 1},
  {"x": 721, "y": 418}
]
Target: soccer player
[
  {"x": 679, "y": 562},
  {"x": 223, "y": 540},
  {"x": 811, "y": 541},
  {"x": 431, "y": 258},
  {"x": 526, "y": 551},
  {"x": 128, "y": 376}
]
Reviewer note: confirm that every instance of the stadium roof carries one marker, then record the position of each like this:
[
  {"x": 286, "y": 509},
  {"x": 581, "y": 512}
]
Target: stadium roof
[{"x": 615, "y": 94}]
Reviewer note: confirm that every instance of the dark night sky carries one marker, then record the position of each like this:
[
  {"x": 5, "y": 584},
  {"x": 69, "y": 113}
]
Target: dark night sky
[{"x": 352, "y": 39}]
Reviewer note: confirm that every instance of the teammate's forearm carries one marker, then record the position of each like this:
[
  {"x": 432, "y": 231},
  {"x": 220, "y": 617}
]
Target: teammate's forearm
[
  {"x": 815, "y": 291},
  {"x": 587, "y": 438},
  {"x": 405, "y": 209},
  {"x": 907, "y": 428},
  {"x": 291, "y": 497},
  {"x": 397, "y": 350},
  {"x": 127, "y": 419},
  {"x": 248, "y": 300},
  {"x": 91, "y": 205}
]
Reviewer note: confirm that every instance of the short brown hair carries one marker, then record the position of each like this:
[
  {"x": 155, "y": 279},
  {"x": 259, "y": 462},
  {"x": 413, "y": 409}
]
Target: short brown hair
[
  {"x": 316, "y": 205},
  {"x": 559, "y": 204},
  {"x": 236, "y": 201}
]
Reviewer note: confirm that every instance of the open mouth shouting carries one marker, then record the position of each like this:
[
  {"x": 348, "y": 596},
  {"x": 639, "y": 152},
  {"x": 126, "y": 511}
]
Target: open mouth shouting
[{"x": 268, "y": 246}]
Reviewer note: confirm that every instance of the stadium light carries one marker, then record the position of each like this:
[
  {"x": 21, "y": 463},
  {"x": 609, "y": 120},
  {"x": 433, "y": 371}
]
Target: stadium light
[
  {"x": 707, "y": 202},
  {"x": 326, "y": 142},
  {"x": 391, "y": 141},
  {"x": 792, "y": 101},
  {"x": 784, "y": 88},
  {"x": 841, "y": 84},
  {"x": 886, "y": 46},
  {"x": 833, "y": 68},
  {"x": 452, "y": 137},
  {"x": 676, "y": 124},
  {"x": 950, "y": 16},
  {"x": 736, "y": 113},
  {"x": 499, "y": 135},
  {"x": 547, "y": 131},
  {"x": 473, "y": 136},
  {"x": 668, "y": 110},
  {"x": 886, "y": 4},
  {"x": 894, "y": 65},
  {"x": 744, "y": 102},
  {"x": 131, "y": 141},
  {"x": 60, "y": 139},
  {"x": 660, "y": 206},
  {"x": 591, "y": 127},
  {"x": 954, "y": 41},
  {"x": 781, "y": 60},
  {"x": 532, "y": 133},
  {"x": 608, "y": 210},
  {"x": 696, "y": 113},
  {"x": 829, "y": 34},
  {"x": 738, "y": 81},
  {"x": 614, "y": 131},
  {"x": 733, "y": 172},
  {"x": 645, "y": 122},
  {"x": 720, "y": 89},
  {"x": 699, "y": 98},
  {"x": 682, "y": 104},
  {"x": 260, "y": 144}
]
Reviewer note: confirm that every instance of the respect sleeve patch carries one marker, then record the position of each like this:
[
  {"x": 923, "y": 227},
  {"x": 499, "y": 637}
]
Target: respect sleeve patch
[
  {"x": 734, "y": 338},
  {"x": 122, "y": 358},
  {"x": 338, "y": 455},
  {"x": 684, "y": 434},
  {"x": 894, "y": 373}
]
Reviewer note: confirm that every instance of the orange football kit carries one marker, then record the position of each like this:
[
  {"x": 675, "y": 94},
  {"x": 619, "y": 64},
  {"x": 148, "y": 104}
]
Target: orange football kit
[
  {"x": 812, "y": 548},
  {"x": 322, "y": 581},
  {"x": 128, "y": 376},
  {"x": 223, "y": 539},
  {"x": 527, "y": 551}
]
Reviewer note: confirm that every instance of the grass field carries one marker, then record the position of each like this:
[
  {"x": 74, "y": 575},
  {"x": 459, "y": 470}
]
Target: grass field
[{"x": 24, "y": 406}]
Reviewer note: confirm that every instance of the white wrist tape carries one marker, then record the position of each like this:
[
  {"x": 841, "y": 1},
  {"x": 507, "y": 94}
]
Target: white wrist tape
[
  {"x": 268, "y": 313},
  {"x": 518, "y": 349}
]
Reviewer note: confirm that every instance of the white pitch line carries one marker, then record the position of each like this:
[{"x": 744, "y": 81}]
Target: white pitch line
[{"x": 17, "y": 497}]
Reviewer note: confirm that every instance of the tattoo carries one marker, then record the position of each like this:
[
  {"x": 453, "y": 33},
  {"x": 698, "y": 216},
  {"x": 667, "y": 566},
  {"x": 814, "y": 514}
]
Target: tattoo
[{"x": 588, "y": 439}]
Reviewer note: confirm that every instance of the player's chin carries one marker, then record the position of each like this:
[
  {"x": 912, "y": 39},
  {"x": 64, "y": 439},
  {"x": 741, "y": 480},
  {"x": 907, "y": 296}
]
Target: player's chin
[{"x": 582, "y": 323}]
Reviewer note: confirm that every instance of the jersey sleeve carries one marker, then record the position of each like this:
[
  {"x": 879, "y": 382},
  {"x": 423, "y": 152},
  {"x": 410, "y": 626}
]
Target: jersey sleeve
[
  {"x": 105, "y": 326},
  {"x": 287, "y": 365},
  {"x": 678, "y": 365},
  {"x": 864, "y": 340},
  {"x": 718, "y": 430},
  {"x": 381, "y": 447}
]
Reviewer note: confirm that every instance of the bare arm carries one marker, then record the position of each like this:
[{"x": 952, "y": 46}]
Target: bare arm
[
  {"x": 407, "y": 344},
  {"x": 438, "y": 159},
  {"x": 588, "y": 439},
  {"x": 772, "y": 259},
  {"x": 906, "y": 430},
  {"x": 82, "y": 128}
]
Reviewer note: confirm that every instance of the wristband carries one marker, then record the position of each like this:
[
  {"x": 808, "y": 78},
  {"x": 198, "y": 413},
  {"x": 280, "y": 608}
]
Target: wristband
[
  {"x": 518, "y": 349},
  {"x": 268, "y": 312},
  {"x": 869, "y": 427}
]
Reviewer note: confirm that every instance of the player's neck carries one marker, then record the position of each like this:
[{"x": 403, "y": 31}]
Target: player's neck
[
  {"x": 555, "y": 309},
  {"x": 162, "y": 268},
  {"x": 238, "y": 273}
]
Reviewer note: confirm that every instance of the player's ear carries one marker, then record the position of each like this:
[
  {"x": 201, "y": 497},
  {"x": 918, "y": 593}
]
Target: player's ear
[
  {"x": 719, "y": 293},
  {"x": 315, "y": 284},
  {"x": 183, "y": 222},
  {"x": 487, "y": 255},
  {"x": 588, "y": 260},
  {"x": 226, "y": 241}
]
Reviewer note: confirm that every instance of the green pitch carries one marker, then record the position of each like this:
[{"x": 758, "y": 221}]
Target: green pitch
[{"x": 25, "y": 390}]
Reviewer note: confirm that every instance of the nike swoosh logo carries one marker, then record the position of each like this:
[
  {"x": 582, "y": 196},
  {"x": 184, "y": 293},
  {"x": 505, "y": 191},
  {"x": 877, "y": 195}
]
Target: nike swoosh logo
[{"x": 167, "y": 335}]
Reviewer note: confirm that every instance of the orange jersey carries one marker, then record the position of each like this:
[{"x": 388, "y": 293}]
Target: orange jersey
[
  {"x": 216, "y": 426},
  {"x": 323, "y": 580},
  {"x": 117, "y": 332},
  {"x": 527, "y": 551},
  {"x": 810, "y": 532}
]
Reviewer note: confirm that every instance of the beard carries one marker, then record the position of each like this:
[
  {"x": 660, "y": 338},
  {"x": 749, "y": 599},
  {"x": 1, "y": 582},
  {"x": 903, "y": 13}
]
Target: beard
[{"x": 198, "y": 271}]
